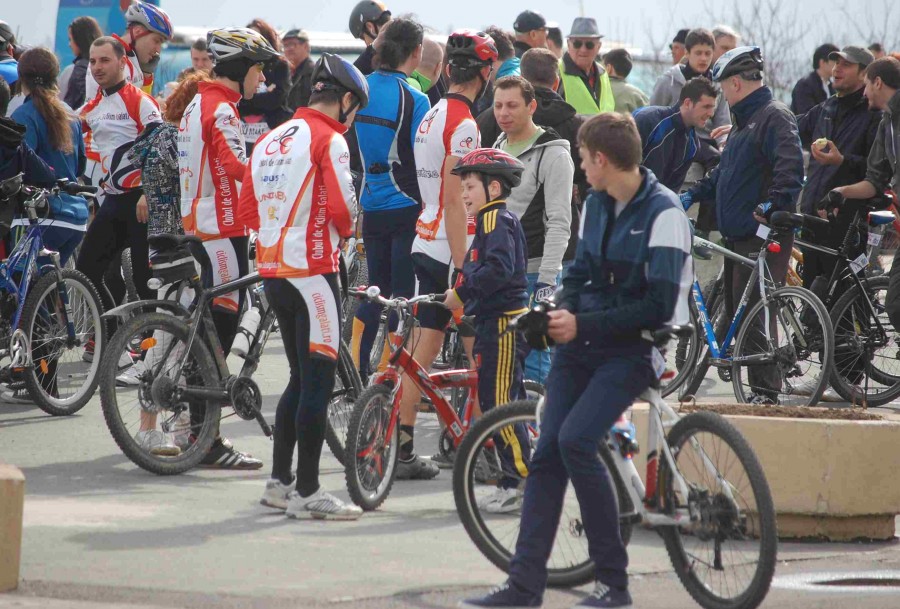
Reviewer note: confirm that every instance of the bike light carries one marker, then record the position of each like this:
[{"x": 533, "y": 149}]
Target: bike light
[
  {"x": 148, "y": 343},
  {"x": 774, "y": 247}
]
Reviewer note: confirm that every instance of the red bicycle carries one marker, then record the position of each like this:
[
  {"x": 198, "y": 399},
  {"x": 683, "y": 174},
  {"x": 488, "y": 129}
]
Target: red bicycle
[{"x": 373, "y": 434}]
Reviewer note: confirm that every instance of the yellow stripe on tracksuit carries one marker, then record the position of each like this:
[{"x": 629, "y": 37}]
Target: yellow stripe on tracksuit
[{"x": 506, "y": 352}]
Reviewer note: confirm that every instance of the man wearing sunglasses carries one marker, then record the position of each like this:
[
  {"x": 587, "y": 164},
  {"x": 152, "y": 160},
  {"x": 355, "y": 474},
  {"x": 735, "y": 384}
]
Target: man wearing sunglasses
[{"x": 585, "y": 84}]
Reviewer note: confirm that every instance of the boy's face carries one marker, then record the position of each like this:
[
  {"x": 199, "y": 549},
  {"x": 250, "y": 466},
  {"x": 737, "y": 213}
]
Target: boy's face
[
  {"x": 595, "y": 169},
  {"x": 473, "y": 194},
  {"x": 700, "y": 57}
]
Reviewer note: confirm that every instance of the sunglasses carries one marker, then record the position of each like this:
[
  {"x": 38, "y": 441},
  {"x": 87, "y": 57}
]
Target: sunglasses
[{"x": 589, "y": 45}]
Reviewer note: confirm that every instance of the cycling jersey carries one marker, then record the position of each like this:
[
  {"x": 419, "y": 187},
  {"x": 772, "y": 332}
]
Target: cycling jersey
[
  {"x": 447, "y": 130},
  {"x": 133, "y": 74},
  {"x": 111, "y": 121},
  {"x": 211, "y": 161},
  {"x": 298, "y": 193},
  {"x": 386, "y": 131}
]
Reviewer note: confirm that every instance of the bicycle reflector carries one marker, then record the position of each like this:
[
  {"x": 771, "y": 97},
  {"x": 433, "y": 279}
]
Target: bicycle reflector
[{"x": 774, "y": 247}]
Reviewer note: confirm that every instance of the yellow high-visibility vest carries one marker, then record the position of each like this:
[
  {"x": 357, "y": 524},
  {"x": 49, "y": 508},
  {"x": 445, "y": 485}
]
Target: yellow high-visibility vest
[{"x": 579, "y": 96}]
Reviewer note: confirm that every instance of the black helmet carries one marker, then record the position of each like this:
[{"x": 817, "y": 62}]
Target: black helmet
[
  {"x": 367, "y": 11},
  {"x": 494, "y": 163},
  {"x": 737, "y": 61},
  {"x": 335, "y": 72}
]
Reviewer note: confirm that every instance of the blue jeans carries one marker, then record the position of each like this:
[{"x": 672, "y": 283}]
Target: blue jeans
[{"x": 585, "y": 395}]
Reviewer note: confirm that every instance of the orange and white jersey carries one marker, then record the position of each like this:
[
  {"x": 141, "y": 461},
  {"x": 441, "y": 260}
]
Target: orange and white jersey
[
  {"x": 298, "y": 193},
  {"x": 211, "y": 162},
  {"x": 110, "y": 122},
  {"x": 133, "y": 74},
  {"x": 447, "y": 130}
]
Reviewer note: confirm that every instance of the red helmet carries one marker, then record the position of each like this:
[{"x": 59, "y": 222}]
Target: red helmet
[
  {"x": 494, "y": 163},
  {"x": 468, "y": 48}
]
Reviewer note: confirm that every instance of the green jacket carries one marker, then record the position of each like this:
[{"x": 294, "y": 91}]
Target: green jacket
[
  {"x": 628, "y": 97},
  {"x": 577, "y": 94}
]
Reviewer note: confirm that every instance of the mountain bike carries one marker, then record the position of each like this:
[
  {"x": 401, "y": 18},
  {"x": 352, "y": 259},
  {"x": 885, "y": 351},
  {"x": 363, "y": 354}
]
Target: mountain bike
[
  {"x": 788, "y": 328},
  {"x": 373, "y": 437},
  {"x": 48, "y": 314},
  {"x": 705, "y": 494},
  {"x": 184, "y": 380},
  {"x": 866, "y": 368}
]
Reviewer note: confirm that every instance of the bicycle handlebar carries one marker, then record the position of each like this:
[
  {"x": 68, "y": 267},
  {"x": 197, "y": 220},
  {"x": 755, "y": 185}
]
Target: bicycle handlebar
[{"x": 373, "y": 293}]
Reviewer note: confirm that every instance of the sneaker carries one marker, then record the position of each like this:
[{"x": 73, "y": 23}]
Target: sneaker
[
  {"x": 320, "y": 506},
  {"x": 831, "y": 395},
  {"x": 222, "y": 455},
  {"x": 131, "y": 377},
  {"x": 507, "y": 596},
  {"x": 277, "y": 494},
  {"x": 181, "y": 430},
  {"x": 158, "y": 443},
  {"x": 759, "y": 399},
  {"x": 803, "y": 388},
  {"x": 501, "y": 501},
  {"x": 442, "y": 461},
  {"x": 15, "y": 393},
  {"x": 416, "y": 468},
  {"x": 606, "y": 598},
  {"x": 88, "y": 355}
]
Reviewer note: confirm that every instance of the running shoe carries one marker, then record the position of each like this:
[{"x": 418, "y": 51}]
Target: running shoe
[
  {"x": 181, "y": 430},
  {"x": 131, "y": 377},
  {"x": 759, "y": 399},
  {"x": 277, "y": 494},
  {"x": 15, "y": 393},
  {"x": 501, "y": 501},
  {"x": 442, "y": 461},
  {"x": 88, "y": 355},
  {"x": 223, "y": 455},
  {"x": 157, "y": 443},
  {"x": 504, "y": 596},
  {"x": 416, "y": 468},
  {"x": 320, "y": 506},
  {"x": 604, "y": 597},
  {"x": 803, "y": 388}
]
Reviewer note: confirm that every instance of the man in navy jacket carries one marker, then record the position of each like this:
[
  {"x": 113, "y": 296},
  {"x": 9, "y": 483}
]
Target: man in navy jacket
[
  {"x": 669, "y": 133},
  {"x": 631, "y": 273}
]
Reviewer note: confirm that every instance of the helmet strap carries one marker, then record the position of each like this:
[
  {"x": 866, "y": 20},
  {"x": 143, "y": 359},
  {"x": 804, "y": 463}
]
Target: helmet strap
[
  {"x": 342, "y": 115},
  {"x": 486, "y": 182},
  {"x": 484, "y": 83}
]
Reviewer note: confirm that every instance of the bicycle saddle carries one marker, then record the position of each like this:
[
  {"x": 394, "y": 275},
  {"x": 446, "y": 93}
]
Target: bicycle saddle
[
  {"x": 663, "y": 335},
  {"x": 162, "y": 243},
  {"x": 880, "y": 218}
]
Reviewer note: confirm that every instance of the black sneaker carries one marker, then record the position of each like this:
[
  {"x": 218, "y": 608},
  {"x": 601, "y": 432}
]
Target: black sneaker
[
  {"x": 416, "y": 468},
  {"x": 442, "y": 461},
  {"x": 761, "y": 399},
  {"x": 223, "y": 455},
  {"x": 604, "y": 597},
  {"x": 505, "y": 596}
]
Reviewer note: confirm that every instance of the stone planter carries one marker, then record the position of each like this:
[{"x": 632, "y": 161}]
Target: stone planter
[
  {"x": 831, "y": 479},
  {"x": 12, "y": 499}
]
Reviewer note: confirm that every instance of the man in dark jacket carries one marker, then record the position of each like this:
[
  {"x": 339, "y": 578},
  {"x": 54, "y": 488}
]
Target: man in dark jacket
[
  {"x": 531, "y": 32},
  {"x": 296, "y": 50},
  {"x": 669, "y": 133},
  {"x": 815, "y": 87},
  {"x": 761, "y": 171}
]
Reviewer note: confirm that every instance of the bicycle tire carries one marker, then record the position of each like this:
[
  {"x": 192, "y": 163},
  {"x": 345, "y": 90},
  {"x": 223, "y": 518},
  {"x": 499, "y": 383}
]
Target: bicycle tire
[
  {"x": 691, "y": 347},
  {"x": 698, "y": 372},
  {"x": 466, "y": 506},
  {"x": 44, "y": 287},
  {"x": 205, "y": 367},
  {"x": 340, "y": 409},
  {"x": 684, "y": 565},
  {"x": 839, "y": 381},
  {"x": 131, "y": 293},
  {"x": 360, "y": 444},
  {"x": 825, "y": 351},
  {"x": 534, "y": 389}
]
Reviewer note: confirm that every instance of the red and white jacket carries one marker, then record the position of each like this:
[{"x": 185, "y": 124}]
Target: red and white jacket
[
  {"x": 298, "y": 193},
  {"x": 110, "y": 122},
  {"x": 211, "y": 162}
]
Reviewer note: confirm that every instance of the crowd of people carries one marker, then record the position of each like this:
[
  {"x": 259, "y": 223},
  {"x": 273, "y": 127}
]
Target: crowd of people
[{"x": 497, "y": 168}]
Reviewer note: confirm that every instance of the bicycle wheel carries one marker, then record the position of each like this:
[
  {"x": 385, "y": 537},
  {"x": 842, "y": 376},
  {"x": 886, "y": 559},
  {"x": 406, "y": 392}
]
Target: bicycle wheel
[
  {"x": 865, "y": 356},
  {"x": 347, "y": 387},
  {"x": 726, "y": 558},
  {"x": 477, "y": 469},
  {"x": 60, "y": 381},
  {"x": 533, "y": 390},
  {"x": 794, "y": 370},
  {"x": 371, "y": 457},
  {"x": 697, "y": 373},
  {"x": 357, "y": 275},
  {"x": 153, "y": 407},
  {"x": 131, "y": 293},
  {"x": 681, "y": 356}
]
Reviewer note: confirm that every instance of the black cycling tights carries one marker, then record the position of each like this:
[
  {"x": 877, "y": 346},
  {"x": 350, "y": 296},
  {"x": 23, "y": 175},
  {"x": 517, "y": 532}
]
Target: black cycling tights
[{"x": 302, "y": 414}]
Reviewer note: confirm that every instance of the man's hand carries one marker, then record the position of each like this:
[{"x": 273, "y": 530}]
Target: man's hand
[
  {"x": 833, "y": 156},
  {"x": 142, "y": 211},
  {"x": 762, "y": 212},
  {"x": 452, "y": 301},
  {"x": 830, "y": 203},
  {"x": 562, "y": 327},
  {"x": 720, "y": 132}
]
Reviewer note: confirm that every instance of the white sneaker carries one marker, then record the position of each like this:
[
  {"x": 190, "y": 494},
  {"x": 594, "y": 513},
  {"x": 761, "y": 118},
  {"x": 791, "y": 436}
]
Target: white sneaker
[
  {"x": 320, "y": 506},
  {"x": 277, "y": 494},
  {"x": 158, "y": 443},
  {"x": 131, "y": 376},
  {"x": 803, "y": 388},
  {"x": 181, "y": 430},
  {"x": 125, "y": 361},
  {"x": 501, "y": 501},
  {"x": 831, "y": 395}
]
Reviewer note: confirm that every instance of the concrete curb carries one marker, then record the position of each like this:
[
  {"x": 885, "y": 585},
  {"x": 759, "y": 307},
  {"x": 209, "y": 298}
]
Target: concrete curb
[{"x": 12, "y": 503}]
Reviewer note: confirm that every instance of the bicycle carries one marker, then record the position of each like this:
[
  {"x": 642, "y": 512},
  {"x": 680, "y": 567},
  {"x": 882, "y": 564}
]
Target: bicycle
[
  {"x": 795, "y": 329},
  {"x": 48, "y": 314},
  {"x": 373, "y": 437},
  {"x": 694, "y": 497},
  {"x": 185, "y": 379},
  {"x": 862, "y": 331}
]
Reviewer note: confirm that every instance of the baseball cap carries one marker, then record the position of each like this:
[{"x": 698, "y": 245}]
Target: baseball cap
[
  {"x": 296, "y": 33},
  {"x": 681, "y": 36},
  {"x": 854, "y": 55},
  {"x": 528, "y": 21}
]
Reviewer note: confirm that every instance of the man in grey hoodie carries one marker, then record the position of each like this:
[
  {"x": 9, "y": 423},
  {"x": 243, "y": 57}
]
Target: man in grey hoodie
[{"x": 543, "y": 201}]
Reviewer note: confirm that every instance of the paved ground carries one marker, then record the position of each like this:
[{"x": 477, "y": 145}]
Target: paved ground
[{"x": 100, "y": 532}]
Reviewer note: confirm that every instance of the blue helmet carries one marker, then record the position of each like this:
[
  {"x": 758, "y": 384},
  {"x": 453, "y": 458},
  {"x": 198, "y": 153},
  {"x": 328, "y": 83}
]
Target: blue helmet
[
  {"x": 151, "y": 17},
  {"x": 335, "y": 72},
  {"x": 737, "y": 61}
]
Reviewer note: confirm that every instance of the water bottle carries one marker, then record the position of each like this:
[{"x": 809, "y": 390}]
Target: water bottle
[
  {"x": 246, "y": 332},
  {"x": 625, "y": 433}
]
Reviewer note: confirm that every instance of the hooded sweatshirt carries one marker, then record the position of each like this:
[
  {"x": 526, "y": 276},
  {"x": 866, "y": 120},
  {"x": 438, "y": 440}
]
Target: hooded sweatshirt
[
  {"x": 668, "y": 89},
  {"x": 543, "y": 203}
]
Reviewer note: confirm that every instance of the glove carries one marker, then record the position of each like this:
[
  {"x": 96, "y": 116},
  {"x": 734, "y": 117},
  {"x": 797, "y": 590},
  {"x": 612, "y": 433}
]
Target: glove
[
  {"x": 687, "y": 199},
  {"x": 831, "y": 201},
  {"x": 542, "y": 292},
  {"x": 764, "y": 209}
]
